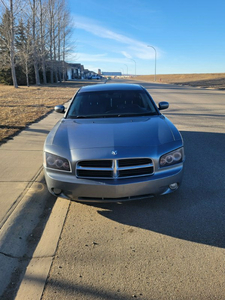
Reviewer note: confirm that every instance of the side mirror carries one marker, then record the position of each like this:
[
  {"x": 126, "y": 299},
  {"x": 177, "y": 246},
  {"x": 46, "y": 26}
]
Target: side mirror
[
  {"x": 60, "y": 109},
  {"x": 163, "y": 105}
]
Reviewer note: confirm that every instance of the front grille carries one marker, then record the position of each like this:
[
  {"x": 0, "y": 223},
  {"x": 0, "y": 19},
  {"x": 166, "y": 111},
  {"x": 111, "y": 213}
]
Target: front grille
[
  {"x": 94, "y": 173},
  {"x": 116, "y": 168},
  {"x": 96, "y": 163},
  {"x": 134, "y": 162}
]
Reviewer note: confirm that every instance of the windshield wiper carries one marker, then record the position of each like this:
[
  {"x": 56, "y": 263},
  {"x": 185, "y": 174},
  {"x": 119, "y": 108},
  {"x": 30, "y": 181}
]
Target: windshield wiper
[
  {"x": 118, "y": 115},
  {"x": 123, "y": 115},
  {"x": 112, "y": 116},
  {"x": 87, "y": 117},
  {"x": 147, "y": 114}
]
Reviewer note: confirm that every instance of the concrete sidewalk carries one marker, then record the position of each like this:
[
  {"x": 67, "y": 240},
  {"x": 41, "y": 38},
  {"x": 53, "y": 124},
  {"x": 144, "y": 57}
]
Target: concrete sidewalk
[{"x": 25, "y": 204}]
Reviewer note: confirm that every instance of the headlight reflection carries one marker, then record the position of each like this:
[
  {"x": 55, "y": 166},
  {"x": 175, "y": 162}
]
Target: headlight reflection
[
  {"x": 171, "y": 158},
  {"x": 57, "y": 162}
]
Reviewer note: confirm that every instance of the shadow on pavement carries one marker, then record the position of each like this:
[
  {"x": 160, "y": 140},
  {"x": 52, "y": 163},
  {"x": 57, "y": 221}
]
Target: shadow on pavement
[
  {"x": 23, "y": 235},
  {"x": 79, "y": 290},
  {"x": 196, "y": 212}
]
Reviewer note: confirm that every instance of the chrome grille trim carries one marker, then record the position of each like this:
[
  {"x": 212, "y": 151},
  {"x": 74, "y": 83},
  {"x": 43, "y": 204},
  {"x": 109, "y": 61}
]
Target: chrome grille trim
[{"x": 115, "y": 168}]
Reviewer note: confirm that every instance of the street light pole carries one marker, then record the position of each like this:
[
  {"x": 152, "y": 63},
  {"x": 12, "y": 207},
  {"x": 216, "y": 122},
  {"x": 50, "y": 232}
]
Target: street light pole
[
  {"x": 155, "y": 58},
  {"x": 135, "y": 65},
  {"x": 127, "y": 69}
]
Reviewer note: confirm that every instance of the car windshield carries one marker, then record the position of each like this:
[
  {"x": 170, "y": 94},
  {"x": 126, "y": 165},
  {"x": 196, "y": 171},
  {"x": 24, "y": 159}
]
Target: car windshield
[{"x": 111, "y": 104}]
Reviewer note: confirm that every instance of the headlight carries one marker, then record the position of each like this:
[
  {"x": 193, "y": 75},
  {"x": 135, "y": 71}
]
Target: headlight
[
  {"x": 56, "y": 162},
  {"x": 172, "y": 158}
]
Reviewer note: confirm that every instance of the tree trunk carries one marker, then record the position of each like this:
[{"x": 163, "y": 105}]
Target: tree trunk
[
  {"x": 12, "y": 51},
  {"x": 36, "y": 70},
  {"x": 27, "y": 74},
  {"x": 42, "y": 44}
]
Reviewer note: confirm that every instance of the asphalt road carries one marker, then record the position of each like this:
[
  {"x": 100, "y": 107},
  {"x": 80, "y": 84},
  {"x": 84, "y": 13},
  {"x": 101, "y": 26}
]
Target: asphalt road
[{"x": 169, "y": 247}]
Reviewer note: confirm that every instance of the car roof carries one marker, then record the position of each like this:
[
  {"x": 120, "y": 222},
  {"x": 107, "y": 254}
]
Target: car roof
[{"x": 111, "y": 87}]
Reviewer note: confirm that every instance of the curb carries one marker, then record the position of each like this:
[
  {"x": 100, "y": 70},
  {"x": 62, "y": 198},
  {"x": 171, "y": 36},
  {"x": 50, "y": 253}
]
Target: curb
[
  {"x": 21, "y": 232},
  {"x": 33, "y": 283}
]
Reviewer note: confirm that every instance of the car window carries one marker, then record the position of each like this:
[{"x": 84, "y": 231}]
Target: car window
[{"x": 111, "y": 104}]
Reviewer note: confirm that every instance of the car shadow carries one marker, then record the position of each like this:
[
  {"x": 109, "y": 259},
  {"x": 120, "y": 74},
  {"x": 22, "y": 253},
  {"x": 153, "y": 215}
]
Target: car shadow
[{"x": 196, "y": 212}]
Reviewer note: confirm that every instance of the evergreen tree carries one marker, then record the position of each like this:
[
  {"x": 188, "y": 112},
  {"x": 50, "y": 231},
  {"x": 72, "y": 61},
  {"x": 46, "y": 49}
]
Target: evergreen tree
[
  {"x": 24, "y": 47},
  {"x": 5, "y": 41}
]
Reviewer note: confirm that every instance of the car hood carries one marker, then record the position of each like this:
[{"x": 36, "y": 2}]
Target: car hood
[{"x": 110, "y": 133}]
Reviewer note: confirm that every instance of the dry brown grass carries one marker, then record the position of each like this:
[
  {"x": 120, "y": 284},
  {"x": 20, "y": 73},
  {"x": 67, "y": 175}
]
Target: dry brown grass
[
  {"x": 25, "y": 105},
  {"x": 216, "y": 80}
]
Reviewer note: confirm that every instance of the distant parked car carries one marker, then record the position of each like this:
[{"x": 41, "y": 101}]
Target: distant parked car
[
  {"x": 113, "y": 144},
  {"x": 96, "y": 77}
]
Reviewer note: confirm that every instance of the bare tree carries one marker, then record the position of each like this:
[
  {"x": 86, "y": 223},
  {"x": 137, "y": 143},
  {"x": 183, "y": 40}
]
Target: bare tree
[
  {"x": 35, "y": 56},
  {"x": 12, "y": 43},
  {"x": 45, "y": 26},
  {"x": 37, "y": 16},
  {"x": 9, "y": 7},
  {"x": 42, "y": 38},
  {"x": 65, "y": 33},
  {"x": 51, "y": 33}
]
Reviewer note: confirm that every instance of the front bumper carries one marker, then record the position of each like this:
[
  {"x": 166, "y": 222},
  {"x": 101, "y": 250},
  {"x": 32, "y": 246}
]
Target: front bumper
[{"x": 70, "y": 187}]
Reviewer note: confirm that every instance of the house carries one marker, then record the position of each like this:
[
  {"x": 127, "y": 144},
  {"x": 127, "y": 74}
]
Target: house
[{"x": 74, "y": 71}]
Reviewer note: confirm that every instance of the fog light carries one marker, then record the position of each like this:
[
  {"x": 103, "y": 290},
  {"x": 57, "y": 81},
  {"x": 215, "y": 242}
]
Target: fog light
[
  {"x": 57, "y": 191},
  {"x": 173, "y": 186}
]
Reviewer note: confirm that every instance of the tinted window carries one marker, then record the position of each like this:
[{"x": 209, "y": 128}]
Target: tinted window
[{"x": 111, "y": 103}]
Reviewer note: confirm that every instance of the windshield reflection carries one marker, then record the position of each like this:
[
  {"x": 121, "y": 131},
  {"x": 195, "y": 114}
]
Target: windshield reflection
[{"x": 107, "y": 104}]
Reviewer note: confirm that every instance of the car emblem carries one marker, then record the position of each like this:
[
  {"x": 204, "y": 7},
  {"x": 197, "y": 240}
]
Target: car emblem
[{"x": 114, "y": 152}]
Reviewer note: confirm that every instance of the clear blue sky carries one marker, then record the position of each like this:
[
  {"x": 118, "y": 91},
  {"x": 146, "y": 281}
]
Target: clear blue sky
[{"x": 189, "y": 36}]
